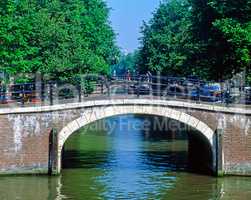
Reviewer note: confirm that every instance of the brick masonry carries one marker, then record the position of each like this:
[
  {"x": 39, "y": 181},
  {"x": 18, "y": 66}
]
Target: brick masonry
[{"x": 24, "y": 132}]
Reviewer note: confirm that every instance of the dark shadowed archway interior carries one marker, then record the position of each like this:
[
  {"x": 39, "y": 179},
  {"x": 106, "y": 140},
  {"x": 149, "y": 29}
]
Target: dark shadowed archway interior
[
  {"x": 188, "y": 149},
  {"x": 135, "y": 149}
]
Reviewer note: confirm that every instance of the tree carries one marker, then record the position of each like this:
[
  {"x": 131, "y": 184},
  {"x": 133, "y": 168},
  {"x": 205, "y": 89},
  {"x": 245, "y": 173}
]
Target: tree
[
  {"x": 209, "y": 38},
  {"x": 125, "y": 63},
  {"x": 167, "y": 44},
  {"x": 221, "y": 29},
  {"x": 61, "y": 39}
]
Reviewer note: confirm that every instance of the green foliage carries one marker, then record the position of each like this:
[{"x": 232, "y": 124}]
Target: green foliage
[
  {"x": 220, "y": 28},
  {"x": 61, "y": 39},
  {"x": 167, "y": 44},
  {"x": 210, "y": 38},
  {"x": 125, "y": 63},
  {"x": 238, "y": 36}
]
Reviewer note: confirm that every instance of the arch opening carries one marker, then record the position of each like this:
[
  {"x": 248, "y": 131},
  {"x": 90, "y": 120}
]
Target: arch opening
[{"x": 200, "y": 144}]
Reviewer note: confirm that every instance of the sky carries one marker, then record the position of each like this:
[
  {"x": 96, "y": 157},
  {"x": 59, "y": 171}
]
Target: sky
[{"x": 127, "y": 17}]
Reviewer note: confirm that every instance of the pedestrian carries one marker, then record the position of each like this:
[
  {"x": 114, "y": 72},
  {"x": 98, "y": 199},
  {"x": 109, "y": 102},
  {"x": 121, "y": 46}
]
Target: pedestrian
[
  {"x": 128, "y": 75},
  {"x": 114, "y": 74},
  {"x": 149, "y": 76},
  {"x": 227, "y": 96}
]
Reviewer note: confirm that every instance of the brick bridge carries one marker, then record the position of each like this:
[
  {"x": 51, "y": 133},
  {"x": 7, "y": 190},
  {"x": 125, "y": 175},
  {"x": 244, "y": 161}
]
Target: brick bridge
[{"x": 32, "y": 138}]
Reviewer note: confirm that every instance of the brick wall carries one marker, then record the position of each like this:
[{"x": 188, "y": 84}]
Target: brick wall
[{"x": 24, "y": 136}]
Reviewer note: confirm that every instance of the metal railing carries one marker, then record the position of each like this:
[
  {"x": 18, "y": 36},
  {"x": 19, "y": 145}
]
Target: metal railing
[{"x": 100, "y": 87}]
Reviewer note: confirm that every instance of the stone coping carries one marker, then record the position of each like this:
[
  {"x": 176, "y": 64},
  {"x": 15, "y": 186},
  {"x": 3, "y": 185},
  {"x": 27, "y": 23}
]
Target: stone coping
[{"x": 114, "y": 102}]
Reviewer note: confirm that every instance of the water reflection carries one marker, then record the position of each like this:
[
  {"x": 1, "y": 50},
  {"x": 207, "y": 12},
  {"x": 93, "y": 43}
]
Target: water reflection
[
  {"x": 77, "y": 185},
  {"x": 124, "y": 165},
  {"x": 131, "y": 172}
]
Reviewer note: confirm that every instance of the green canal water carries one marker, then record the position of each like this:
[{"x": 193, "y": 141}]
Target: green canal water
[{"x": 124, "y": 163}]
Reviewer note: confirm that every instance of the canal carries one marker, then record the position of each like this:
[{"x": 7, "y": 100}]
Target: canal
[{"x": 125, "y": 158}]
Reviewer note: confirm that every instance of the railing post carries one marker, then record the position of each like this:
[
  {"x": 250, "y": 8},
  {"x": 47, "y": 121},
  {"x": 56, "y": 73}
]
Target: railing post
[
  {"x": 102, "y": 87},
  {"x": 42, "y": 92},
  {"x": 38, "y": 87},
  {"x": 79, "y": 92},
  {"x": 228, "y": 96},
  {"x": 108, "y": 89},
  {"x": 51, "y": 93},
  {"x": 158, "y": 85},
  {"x": 3, "y": 93},
  {"x": 23, "y": 94},
  {"x": 137, "y": 88},
  {"x": 198, "y": 91}
]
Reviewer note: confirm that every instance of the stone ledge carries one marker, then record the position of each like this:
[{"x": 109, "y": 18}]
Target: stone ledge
[
  {"x": 114, "y": 102},
  {"x": 21, "y": 171}
]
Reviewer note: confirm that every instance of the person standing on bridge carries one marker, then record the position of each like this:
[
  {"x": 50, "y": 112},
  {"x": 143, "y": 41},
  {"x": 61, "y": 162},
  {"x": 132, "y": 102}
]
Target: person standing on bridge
[
  {"x": 227, "y": 96},
  {"x": 2, "y": 92},
  {"x": 149, "y": 77},
  {"x": 114, "y": 74},
  {"x": 128, "y": 75}
]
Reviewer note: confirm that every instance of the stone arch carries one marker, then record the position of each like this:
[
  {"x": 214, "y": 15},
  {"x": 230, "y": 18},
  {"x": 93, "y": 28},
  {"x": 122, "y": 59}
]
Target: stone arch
[{"x": 95, "y": 113}]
